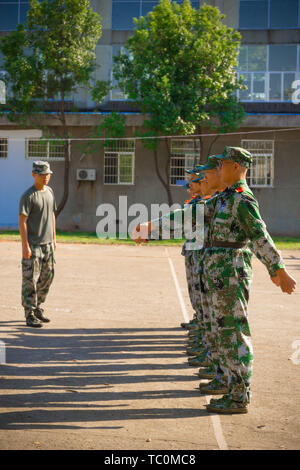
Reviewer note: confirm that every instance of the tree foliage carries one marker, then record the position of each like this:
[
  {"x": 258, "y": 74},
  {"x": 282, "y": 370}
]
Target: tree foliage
[
  {"x": 48, "y": 58},
  {"x": 181, "y": 67}
]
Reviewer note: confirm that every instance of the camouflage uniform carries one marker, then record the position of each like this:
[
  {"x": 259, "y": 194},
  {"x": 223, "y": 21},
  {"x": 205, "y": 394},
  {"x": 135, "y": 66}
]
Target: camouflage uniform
[
  {"x": 37, "y": 276},
  {"x": 191, "y": 270},
  {"x": 235, "y": 221}
]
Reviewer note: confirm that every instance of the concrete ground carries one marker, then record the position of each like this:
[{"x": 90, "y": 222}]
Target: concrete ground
[{"x": 110, "y": 370}]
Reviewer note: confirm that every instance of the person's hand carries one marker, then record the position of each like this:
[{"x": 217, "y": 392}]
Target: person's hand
[
  {"x": 54, "y": 244},
  {"x": 141, "y": 232},
  {"x": 275, "y": 280},
  {"x": 26, "y": 252},
  {"x": 287, "y": 282}
]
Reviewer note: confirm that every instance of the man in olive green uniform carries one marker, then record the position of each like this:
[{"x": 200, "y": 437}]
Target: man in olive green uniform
[{"x": 37, "y": 229}]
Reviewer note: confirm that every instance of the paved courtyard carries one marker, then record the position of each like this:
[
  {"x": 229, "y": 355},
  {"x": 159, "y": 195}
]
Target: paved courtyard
[{"x": 110, "y": 370}]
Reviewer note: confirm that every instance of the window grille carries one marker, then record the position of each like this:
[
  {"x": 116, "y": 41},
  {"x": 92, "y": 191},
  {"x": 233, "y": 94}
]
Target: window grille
[
  {"x": 261, "y": 172},
  {"x": 185, "y": 154},
  {"x": 45, "y": 150},
  {"x": 3, "y": 148},
  {"x": 119, "y": 161}
]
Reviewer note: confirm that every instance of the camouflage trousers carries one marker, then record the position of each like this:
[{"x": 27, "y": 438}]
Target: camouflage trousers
[
  {"x": 37, "y": 276},
  {"x": 226, "y": 282},
  {"x": 189, "y": 272},
  {"x": 194, "y": 287}
]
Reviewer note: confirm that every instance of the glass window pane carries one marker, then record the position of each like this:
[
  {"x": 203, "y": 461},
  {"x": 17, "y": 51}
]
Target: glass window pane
[
  {"x": 125, "y": 168},
  {"x": 123, "y": 14},
  {"x": 8, "y": 17},
  {"x": 23, "y": 12},
  {"x": 148, "y": 6},
  {"x": 283, "y": 57},
  {"x": 283, "y": 14},
  {"x": 259, "y": 87},
  {"x": 257, "y": 58},
  {"x": 245, "y": 95},
  {"x": 275, "y": 86},
  {"x": 253, "y": 14},
  {"x": 243, "y": 58},
  {"x": 288, "y": 79}
]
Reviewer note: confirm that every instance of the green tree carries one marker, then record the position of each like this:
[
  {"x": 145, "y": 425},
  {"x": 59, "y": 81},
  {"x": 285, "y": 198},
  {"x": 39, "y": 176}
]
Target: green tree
[
  {"x": 180, "y": 69},
  {"x": 48, "y": 58}
]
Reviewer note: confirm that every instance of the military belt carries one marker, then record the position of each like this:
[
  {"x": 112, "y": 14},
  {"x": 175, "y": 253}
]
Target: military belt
[{"x": 216, "y": 244}]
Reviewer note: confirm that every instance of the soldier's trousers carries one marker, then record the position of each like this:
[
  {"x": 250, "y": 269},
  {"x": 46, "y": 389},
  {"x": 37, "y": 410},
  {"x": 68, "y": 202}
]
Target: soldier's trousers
[
  {"x": 37, "y": 276},
  {"x": 227, "y": 276},
  {"x": 189, "y": 271}
]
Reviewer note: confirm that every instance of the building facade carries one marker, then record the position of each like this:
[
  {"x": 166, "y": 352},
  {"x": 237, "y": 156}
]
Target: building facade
[{"x": 270, "y": 64}]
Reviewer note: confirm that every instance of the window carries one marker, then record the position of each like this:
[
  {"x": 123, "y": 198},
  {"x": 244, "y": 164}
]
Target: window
[
  {"x": 268, "y": 71},
  {"x": 261, "y": 172},
  {"x": 3, "y": 148},
  {"x": 12, "y": 12},
  {"x": 185, "y": 154},
  {"x": 269, "y": 14},
  {"x": 123, "y": 11},
  {"x": 45, "y": 149},
  {"x": 116, "y": 93},
  {"x": 119, "y": 162}
]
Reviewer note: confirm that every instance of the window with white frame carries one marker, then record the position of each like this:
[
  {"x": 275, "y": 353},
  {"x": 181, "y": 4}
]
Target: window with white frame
[
  {"x": 269, "y": 14},
  {"x": 45, "y": 149},
  {"x": 261, "y": 171},
  {"x": 268, "y": 71},
  {"x": 119, "y": 161},
  {"x": 3, "y": 147},
  {"x": 185, "y": 154}
]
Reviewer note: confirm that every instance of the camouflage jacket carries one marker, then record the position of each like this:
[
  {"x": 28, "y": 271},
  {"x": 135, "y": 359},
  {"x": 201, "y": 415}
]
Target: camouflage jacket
[{"x": 234, "y": 217}]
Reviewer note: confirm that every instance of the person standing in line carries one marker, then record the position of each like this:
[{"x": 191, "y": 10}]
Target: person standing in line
[{"x": 38, "y": 234}]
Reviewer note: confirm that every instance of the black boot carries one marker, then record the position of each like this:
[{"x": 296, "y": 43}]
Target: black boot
[
  {"x": 39, "y": 314},
  {"x": 31, "y": 320}
]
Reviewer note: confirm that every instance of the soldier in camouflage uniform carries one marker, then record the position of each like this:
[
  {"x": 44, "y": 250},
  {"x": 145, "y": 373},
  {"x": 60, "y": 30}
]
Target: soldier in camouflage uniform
[
  {"x": 234, "y": 222},
  {"x": 188, "y": 254},
  {"x": 37, "y": 230}
]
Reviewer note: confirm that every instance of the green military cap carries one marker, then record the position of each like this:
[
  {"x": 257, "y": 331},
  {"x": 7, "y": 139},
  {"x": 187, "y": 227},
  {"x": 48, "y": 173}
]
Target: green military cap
[
  {"x": 186, "y": 185},
  {"x": 42, "y": 168},
  {"x": 192, "y": 171},
  {"x": 199, "y": 178},
  {"x": 211, "y": 164},
  {"x": 238, "y": 155}
]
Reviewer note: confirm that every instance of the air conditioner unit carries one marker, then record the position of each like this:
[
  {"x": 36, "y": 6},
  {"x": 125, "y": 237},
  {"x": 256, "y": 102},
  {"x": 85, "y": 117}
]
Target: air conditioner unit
[{"x": 85, "y": 174}]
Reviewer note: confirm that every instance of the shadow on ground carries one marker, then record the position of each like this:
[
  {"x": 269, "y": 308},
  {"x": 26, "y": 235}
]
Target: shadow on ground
[{"x": 69, "y": 378}]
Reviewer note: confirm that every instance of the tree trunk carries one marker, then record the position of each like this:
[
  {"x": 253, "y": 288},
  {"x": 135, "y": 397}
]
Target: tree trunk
[
  {"x": 67, "y": 162},
  {"x": 211, "y": 145},
  {"x": 163, "y": 182}
]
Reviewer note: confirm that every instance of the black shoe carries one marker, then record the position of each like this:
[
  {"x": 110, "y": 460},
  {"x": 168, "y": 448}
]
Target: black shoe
[
  {"x": 39, "y": 314},
  {"x": 32, "y": 321}
]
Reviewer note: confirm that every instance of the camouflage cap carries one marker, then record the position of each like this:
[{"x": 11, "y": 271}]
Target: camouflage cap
[
  {"x": 199, "y": 178},
  {"x": 42, "y": 168},
  {"x": 192, "y": 171},
  {"x": 211, "y": 164},
  {"x": 238, "y": 155}
]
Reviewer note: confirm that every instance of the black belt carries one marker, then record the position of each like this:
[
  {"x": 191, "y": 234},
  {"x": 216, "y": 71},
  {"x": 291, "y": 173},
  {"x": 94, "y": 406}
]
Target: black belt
[{"x": 216, "y": 244}]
